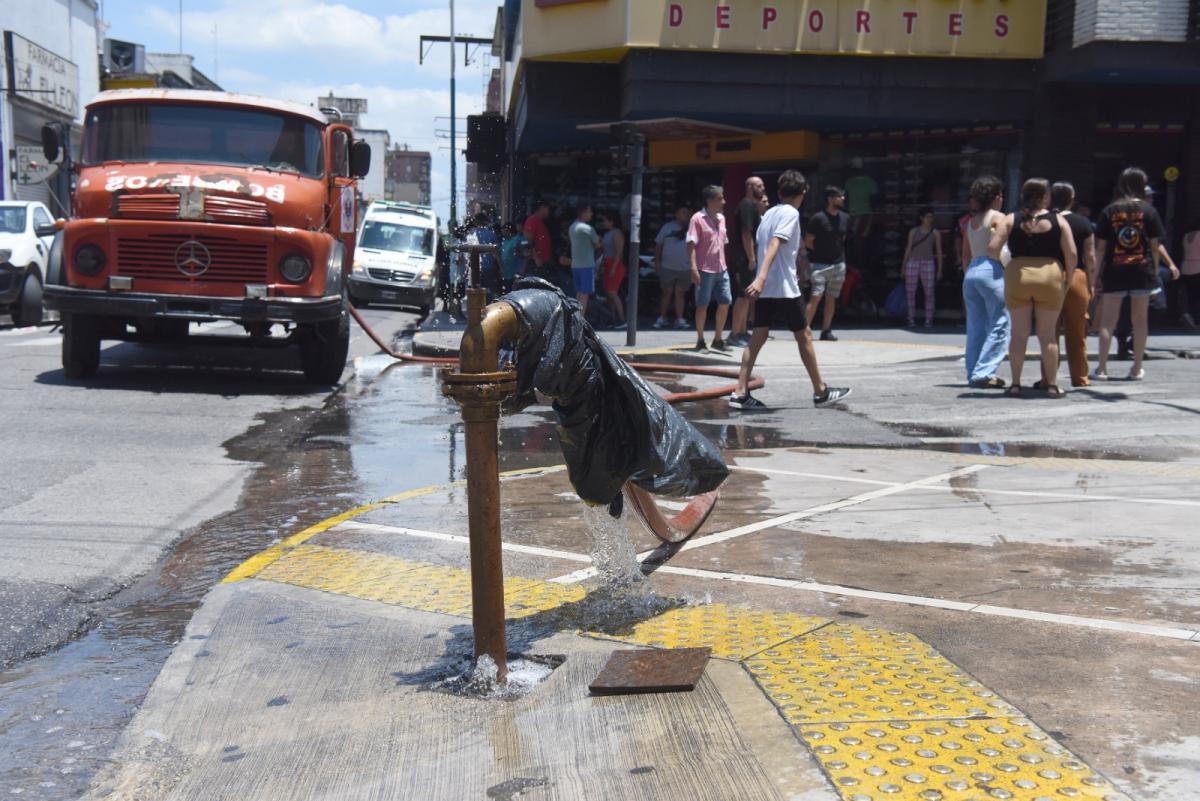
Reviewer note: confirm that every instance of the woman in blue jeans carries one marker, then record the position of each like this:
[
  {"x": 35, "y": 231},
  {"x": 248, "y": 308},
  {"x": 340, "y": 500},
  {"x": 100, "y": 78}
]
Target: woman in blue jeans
[{"x": 988, "y": 325}]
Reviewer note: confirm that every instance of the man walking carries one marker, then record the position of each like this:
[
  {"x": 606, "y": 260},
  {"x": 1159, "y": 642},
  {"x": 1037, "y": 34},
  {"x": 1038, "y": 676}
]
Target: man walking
[
  {"x": 744, "y": 261},
  {"x": 706, "y": 240},
  {"x": 777, "y": 294},
  {"x": 585, "y": 245},
  {"x": 674, "y": 267},
  {"x": 826, "y": 243}
]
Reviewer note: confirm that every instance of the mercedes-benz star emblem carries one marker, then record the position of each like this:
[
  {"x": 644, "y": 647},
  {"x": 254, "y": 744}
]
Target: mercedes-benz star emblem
[{"x": 192, "y": 258}]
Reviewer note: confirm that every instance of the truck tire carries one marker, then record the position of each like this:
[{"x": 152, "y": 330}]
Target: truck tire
[
  {"x": 28, "y": 310},
  {"x": 80, "y": 346},
  {"x": 323, "y": 352}
]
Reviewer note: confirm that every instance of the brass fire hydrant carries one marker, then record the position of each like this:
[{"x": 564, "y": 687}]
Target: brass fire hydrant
[{"x": 479, "y": 386}]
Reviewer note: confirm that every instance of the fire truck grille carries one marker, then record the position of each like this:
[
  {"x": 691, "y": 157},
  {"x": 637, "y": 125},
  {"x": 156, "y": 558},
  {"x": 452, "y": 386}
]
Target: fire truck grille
[
  {"x": 217, "y": 208},
  {"x": 149, "y": 207},
  {"x": 229, "y": 261}
]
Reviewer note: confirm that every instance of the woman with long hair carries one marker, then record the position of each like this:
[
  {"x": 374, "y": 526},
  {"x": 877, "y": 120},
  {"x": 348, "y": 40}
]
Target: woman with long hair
[
  {"x": 1035, "y": 279},
  {"x": 1128, "y": 235},
  {"x": 983, "y": 288}
]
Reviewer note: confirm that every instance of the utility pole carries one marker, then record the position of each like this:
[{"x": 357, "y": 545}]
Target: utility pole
[
  {"x": 181, "y": 27},
  {"x": 453, "y": 134}
]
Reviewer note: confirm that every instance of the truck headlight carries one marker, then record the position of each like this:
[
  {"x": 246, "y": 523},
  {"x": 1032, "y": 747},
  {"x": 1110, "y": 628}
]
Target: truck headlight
[
  {"x": 89, "y": 260},
  {"x": 295, "y": 268}
]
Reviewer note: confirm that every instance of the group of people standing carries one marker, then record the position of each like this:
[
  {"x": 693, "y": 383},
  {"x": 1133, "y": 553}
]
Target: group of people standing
[{"x": 1044, "y": 262}]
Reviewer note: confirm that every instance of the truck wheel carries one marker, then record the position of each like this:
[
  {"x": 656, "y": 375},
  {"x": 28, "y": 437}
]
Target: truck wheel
[
  {"x": 80, "y": 345},
  {"x": 323, "y": 351},
  {"x": 28, "y": 310}
]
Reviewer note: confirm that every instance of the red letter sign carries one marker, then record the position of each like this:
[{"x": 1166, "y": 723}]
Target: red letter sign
[
  {"x": 769, "y": 16},
  {"x": 674, "y": 15},
  {"x": 863, "y": 22},
  {"x": 723, "y": 17},
  {"x": 1002, "y": 25},
  {"x": 910, "y": 17},
  {"x": 956, "y": 23},
  {"x": 816, "y": 21}
]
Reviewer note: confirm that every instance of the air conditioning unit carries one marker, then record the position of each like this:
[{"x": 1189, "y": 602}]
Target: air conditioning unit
[{"x": 124, "y": 58}]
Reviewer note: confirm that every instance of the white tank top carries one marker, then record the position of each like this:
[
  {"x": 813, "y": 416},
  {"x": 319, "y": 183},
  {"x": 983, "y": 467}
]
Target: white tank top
[{"x": 979, "y": 238}]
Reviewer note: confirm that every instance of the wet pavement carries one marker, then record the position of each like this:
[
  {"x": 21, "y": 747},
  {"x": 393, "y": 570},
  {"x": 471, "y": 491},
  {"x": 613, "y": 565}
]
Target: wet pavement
[{"x": 1073, "y": 511}]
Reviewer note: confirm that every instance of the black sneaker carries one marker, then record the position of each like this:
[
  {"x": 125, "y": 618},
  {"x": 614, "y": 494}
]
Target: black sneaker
[
  {"x": 827, "y": 336},
  {"x": 746, "y": 402},
  {"x": 721, "y": 345},
  {"x": 830, "y": 395},
  {"x": 700, "y": 344}
]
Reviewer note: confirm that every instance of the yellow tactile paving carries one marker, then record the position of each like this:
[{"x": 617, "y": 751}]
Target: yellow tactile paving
[
  {"x": 953, "y": 760},
  {"x": 847, "y": 673},
  {"x": 731, "y": 632},
  {"x": 417, "y": 585}
]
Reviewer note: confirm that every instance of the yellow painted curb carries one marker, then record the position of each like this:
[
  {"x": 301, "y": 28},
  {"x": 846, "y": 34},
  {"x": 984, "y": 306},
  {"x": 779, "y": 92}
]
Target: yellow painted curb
[{"x": 252, "y": 566}]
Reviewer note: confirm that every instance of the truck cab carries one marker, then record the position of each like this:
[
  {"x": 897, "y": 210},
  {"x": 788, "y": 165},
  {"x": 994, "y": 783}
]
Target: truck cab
[
  {"x": 395, "y": 259},
  {"x": 194, "y": 206}
]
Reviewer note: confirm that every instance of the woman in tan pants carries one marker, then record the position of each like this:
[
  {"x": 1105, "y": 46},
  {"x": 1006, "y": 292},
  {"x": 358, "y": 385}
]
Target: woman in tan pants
[
  {"x": 1035, "y": 279},
  {"x": 1079, "y": 288}
]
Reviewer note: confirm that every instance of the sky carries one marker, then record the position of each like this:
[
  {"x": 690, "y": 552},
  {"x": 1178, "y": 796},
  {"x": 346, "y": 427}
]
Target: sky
[{"x": 303, "y": 49}]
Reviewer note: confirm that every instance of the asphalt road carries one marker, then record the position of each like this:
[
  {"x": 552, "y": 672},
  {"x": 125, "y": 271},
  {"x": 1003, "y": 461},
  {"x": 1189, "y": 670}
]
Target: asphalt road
[{"x": 102, "y": 476}]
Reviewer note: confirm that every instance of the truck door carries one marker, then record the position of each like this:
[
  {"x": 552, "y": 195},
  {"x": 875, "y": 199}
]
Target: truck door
[{"x": 344, "y": 192}]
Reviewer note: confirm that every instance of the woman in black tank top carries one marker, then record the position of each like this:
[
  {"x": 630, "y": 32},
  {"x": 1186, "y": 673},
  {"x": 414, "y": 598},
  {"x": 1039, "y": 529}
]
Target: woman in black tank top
[{"x": 1035, "y": 279}]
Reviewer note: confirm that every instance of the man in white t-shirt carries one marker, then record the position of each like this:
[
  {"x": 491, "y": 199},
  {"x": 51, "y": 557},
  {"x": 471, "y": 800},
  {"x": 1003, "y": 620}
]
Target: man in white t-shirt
[{"x": 777, "y": 292}]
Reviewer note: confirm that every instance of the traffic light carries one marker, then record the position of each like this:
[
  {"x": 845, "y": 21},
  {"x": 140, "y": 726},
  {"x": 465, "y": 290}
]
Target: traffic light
[{"x": 486, "y": 141}]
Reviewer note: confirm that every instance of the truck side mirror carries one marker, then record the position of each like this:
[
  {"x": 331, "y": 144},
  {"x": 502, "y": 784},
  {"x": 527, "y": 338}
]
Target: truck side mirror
[
  {"x": 360, "y": 159},
  {"x": 49, "y": 229},
  {"x": 51, "y": 145}
]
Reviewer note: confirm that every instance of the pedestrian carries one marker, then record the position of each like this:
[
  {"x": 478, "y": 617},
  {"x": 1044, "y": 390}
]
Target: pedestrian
[
  {"x": 510, "y": 258},
  {"x": 922, "y": 263},
  {"x": 1128, "y": 236},
  {"x": 706, "y": 240},
  {"x": 612, "y": 273},
  {"x": 1167, "y": 272},
  {"x": 1079, "y": 286},
  {"x": 1191, "y": 274},
  {"x": 743, "y": 266},
  {"x": 776, "y": 292},
  {"x": 538, "y": 234},
  {"x": 585, "y": 246},
  {"x": 1035, "y": 279},
  {"x": 988, "y": 323},
  {"x": 826, "y": 242},
  {"x": 673, "y": 265}
]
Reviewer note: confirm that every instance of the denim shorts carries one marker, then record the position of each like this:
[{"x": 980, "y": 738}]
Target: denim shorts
[
  {"x": 714, "y": 286},
  {"x": 584, "y": 279},
  {"x": 1134, "y": 293}
]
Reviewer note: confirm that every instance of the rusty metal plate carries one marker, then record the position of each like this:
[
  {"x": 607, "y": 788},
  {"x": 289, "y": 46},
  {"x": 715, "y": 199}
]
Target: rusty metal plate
[{"x": 651, "y": 671}]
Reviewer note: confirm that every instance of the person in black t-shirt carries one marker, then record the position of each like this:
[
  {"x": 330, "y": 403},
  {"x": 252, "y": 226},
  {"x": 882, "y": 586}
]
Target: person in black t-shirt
[
  {"x": 1128, "y": 235},
  {"x": 826, "y": 242},
  {"x": 743, "y": 263}
]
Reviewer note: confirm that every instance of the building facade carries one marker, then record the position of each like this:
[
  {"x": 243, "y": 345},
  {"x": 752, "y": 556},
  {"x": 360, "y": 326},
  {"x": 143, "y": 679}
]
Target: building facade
[
  {"x": 902, "y": 106},
  {"x": 51, "y": 71},
  {"x": 408, "y": 175}
]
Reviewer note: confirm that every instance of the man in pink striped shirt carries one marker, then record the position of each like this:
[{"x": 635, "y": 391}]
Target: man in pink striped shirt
[{"x": 706, "y": 239}]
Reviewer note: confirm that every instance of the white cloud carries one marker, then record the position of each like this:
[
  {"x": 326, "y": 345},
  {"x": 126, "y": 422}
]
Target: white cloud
[{"x": 327, "y": 31}]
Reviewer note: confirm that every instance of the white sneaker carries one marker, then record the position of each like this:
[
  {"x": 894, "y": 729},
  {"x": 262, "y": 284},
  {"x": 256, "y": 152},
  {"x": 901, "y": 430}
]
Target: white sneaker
[
  {"x": 682, "y": 325},
  {"x": 660, "y": 323},
  {"x": 1099, "y": 376},
  {"x": 1137, "y": 375}
]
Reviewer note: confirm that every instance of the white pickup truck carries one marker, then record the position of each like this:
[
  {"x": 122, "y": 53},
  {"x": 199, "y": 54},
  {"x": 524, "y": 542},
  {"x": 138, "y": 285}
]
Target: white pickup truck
[{"x": 26, "y": 232}]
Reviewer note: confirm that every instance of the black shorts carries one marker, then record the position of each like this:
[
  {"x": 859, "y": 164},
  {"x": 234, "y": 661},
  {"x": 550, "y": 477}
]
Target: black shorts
[
  {"x": 787, "y": 313},
  {"x": 740, "y": 277}
]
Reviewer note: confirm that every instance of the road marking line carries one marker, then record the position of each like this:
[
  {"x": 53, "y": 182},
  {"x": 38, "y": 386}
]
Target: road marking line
[
  {"x": 791, "y": 517},
  {"x": 256, "y": 563},
  {"x": 533, "y": 550},
  {"x": 825, "y": 476}
]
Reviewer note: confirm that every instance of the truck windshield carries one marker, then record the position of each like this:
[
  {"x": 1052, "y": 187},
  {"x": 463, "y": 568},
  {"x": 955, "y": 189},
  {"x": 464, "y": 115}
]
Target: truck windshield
[
  {"x": 397, "y": 236},
  {"x": 140, "y": 132},
  {"x": 12, "y": 220}
]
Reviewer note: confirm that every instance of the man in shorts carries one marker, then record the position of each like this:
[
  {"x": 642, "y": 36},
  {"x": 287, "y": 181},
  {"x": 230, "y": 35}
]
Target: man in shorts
[
  {"x": 706, "y": 240},
  {"x": 585, "y": 245},
  {"x": 776, "y": 291},
  {"x": 826, "y": 241},
  {"x": 744, "y": 264},
  {"x": 674, "y": 267}
]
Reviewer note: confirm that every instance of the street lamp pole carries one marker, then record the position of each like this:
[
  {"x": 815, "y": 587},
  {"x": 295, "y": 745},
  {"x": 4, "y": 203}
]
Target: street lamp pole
[{"x": 453, "y": 134}]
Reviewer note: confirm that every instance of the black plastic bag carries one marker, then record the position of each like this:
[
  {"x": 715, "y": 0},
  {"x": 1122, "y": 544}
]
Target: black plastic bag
[{"x": 612, "y": 426}]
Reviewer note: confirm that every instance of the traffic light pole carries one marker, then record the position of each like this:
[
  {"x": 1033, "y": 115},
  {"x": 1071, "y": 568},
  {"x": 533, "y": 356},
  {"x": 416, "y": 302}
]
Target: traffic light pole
[{"x": 637, "y": 146}]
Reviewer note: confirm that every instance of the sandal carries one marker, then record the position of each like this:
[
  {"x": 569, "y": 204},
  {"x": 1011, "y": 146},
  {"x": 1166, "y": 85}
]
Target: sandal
[
  {"x": 1014, "y": 391},
  {"x": 1054, "y": 391},
  {"x": 995, "y": 382}
]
